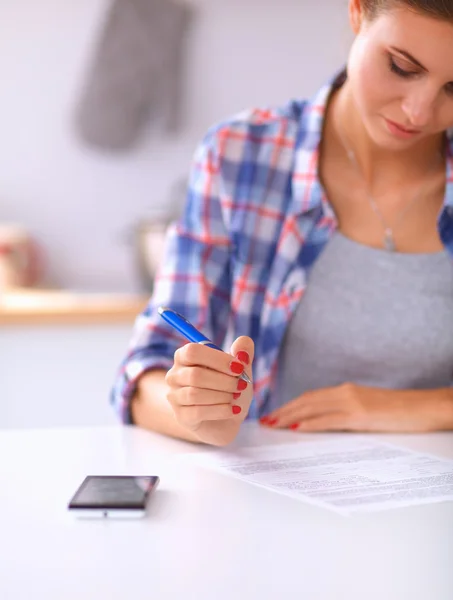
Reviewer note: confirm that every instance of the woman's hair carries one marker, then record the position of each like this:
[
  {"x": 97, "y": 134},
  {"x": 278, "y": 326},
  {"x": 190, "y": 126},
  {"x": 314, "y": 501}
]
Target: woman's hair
[{"x": 439, "y": 9}]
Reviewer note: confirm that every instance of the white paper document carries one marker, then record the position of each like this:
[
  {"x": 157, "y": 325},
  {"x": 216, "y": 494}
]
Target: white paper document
[{"x": 345, "y": 475}]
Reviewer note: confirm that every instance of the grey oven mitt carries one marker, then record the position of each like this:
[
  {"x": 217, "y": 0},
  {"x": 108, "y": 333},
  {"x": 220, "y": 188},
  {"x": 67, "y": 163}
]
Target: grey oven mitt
[{"x": 136, "y": 73}]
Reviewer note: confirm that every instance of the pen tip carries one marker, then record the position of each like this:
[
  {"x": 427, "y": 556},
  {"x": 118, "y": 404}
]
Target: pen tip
[{"x": 246, "y": 378}]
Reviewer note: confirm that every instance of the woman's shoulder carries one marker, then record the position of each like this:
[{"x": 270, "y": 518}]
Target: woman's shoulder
[
  {"x": 258, "y": 127},
  {"x": 266, "y": 117},
  {"x": 292, "y": 122}
]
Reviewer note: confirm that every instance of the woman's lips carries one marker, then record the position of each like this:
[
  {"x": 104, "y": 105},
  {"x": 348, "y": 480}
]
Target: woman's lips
[{"x": 399, "y": 130}]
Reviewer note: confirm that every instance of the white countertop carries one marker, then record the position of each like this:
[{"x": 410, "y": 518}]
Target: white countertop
[{"x": 206, "y": 536}]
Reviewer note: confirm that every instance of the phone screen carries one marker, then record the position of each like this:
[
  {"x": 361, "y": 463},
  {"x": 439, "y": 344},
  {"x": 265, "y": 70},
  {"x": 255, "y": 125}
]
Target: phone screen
[{"x": 114, "y": 492}]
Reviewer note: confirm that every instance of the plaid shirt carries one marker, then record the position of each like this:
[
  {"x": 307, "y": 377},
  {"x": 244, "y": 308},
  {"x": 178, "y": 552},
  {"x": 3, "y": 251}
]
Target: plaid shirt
[{"x": 236, "y": 263}]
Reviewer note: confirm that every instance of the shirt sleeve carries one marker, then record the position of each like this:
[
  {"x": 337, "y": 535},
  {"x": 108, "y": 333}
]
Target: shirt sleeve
[{"x": 193, "y": 279}]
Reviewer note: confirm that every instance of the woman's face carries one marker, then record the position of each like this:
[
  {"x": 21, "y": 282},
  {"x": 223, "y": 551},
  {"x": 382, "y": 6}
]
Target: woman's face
[{"x": 401, "y": 74}]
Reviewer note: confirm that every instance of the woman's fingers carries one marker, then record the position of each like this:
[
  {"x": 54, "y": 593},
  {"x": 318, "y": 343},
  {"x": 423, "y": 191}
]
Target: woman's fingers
[
  {"x": 202, "y": 377},
  {"x": 193, "y": 415},
  {"x": 243, "y": 349},
  {"x": 192, "y": 355},
  {"x": 330, "y": 422},
  {"x": 192, "y": 405},
  {"x": 301, "y": 411},
  {"x": 190, "y": 396}
]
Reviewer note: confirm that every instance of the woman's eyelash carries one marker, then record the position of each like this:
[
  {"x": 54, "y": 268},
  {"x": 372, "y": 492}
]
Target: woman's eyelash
[
  {"x": 401, "y": 72},
  {"x": 407, "y": 74}
]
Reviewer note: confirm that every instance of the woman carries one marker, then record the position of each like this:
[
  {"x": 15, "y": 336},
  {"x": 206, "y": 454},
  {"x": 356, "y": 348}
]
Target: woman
[{"x": 322, "y": 231}]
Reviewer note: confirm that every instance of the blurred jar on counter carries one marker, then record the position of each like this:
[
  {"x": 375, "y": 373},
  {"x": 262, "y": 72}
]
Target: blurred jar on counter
[
  {"x": 151, "y": 231},
  {"x": 20, "y": 265}
]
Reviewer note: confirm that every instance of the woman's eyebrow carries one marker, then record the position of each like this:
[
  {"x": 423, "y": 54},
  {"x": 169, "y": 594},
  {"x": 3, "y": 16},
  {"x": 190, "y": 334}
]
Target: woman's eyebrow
[
  {"x": 409, "y": 57},
  {"x": 413, "y": 60}
]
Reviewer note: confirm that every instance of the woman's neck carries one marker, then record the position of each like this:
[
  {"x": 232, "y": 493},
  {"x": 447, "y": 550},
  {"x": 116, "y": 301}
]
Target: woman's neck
[{"x": 376, "y": 163}]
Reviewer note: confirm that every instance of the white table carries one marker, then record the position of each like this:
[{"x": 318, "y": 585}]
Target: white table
[{"x": 207, "y": 536}]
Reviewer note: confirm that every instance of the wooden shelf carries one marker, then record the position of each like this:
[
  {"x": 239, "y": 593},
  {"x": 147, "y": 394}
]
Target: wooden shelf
[{"x": 43, "y": 307}]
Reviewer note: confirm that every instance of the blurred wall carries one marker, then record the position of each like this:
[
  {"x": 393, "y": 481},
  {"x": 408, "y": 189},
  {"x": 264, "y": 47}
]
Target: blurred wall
[{"x": 80, "y": 203}]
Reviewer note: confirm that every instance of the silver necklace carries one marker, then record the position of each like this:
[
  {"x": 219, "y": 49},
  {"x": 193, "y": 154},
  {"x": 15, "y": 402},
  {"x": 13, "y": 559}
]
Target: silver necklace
[{"x": 389, "y": 237}]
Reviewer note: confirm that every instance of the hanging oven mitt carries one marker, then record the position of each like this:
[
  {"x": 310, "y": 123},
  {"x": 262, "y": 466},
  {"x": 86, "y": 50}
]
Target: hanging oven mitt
[{"x": 135, "y": 74}]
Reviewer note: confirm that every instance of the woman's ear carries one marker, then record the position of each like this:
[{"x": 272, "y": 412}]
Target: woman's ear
[{"x": 355, "y": 15}]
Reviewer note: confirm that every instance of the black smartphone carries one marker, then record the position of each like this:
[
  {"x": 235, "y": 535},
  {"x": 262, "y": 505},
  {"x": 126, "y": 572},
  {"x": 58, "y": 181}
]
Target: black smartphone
[{"x": 113, "y": 496}]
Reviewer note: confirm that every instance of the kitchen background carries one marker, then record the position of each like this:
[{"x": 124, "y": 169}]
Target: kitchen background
[
  {"x": 82, "y": 203},
  {"x": 82, "y": 169}
]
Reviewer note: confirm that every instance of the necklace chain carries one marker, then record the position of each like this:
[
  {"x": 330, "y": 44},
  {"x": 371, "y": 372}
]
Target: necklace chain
[{"x": 389, "y": 238}]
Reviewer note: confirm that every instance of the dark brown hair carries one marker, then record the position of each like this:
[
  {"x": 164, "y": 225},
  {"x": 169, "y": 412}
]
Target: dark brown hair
[{"x": 439, "y": 9}]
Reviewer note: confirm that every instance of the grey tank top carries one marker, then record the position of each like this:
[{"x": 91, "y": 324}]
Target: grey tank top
[{"x": 370, "y": 317}]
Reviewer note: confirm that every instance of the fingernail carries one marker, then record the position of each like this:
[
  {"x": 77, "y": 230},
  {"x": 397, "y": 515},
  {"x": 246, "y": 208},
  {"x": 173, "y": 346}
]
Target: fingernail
[
  {"x": 268, "y": 421},
  {"x": 236, "y": 395},
  {"x": 236, "y": 367},
  {"x": 243, "y": 356},
  {"x": 242, "y": 385},
  {"x": 294, "y": 426},
  {"x": 236, "y": 409}
]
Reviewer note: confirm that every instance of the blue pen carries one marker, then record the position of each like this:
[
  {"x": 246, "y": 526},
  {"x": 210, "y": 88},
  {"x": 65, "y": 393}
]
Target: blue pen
[{"x": 182, "y": 325}]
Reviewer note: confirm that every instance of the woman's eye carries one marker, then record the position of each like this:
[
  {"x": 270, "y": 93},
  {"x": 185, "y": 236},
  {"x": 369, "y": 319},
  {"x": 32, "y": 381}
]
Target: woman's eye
[
  {"x": 407, "y": 74},
  {"x": 399, "y": 71}
]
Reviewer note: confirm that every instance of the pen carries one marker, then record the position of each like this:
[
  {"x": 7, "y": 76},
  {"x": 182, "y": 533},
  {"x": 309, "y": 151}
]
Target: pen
[{"x": 182, "y": 325}]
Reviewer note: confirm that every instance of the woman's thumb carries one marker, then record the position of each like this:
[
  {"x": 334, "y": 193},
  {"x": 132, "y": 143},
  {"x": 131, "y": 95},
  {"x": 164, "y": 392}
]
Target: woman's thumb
[{"x": 243, "y": 349}]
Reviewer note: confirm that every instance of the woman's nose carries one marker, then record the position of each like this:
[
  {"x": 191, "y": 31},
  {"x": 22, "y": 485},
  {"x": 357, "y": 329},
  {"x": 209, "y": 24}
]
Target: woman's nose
[{"x": 419, "y": 107}]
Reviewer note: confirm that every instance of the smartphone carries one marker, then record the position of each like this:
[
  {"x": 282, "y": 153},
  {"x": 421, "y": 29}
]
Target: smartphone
[{"x": 117, "y": 496}]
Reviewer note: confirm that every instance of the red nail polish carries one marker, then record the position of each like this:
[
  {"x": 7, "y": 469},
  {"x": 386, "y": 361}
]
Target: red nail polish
[
  {"x": 236, "y": 367},
  {"x": 294, "y": 426},
  {"x": 242, "y": 385},
  {"x": 236, "y": 410},
  {"x": 268, "y": 421},
  {"x": 243, "y": 356},
  {"x": 236, "y": 395}
]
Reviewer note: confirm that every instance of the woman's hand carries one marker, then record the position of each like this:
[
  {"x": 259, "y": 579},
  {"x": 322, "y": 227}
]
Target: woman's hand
[
  {"x": 351, "y": 407},
  {"x": 205, "y": 391}
]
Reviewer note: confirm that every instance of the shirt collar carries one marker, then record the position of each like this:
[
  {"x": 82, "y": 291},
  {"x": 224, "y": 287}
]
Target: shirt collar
[
  {"x": 449, "y": 187},
  {"x": 307, "y": 190},
  {"x": 308, "y": 193}
]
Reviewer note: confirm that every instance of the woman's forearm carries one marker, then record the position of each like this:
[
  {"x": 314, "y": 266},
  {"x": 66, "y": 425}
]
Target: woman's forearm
[
  {"x": 439, "y": 405},
  {"x": 417, "y": 410},
  {"x": 151, "y": 410},
  {"x": 352, "y": 407}
]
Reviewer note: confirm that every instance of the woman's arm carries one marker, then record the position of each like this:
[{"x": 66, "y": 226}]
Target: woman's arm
[
  {"x": 194, "y": 279},
  {"x": 351, "y": 407},
  {"x": 150, "y": 408}
]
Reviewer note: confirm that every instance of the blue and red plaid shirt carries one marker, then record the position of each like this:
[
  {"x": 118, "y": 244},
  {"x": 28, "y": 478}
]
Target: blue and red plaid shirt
[{"x": 236, "y": 263}]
